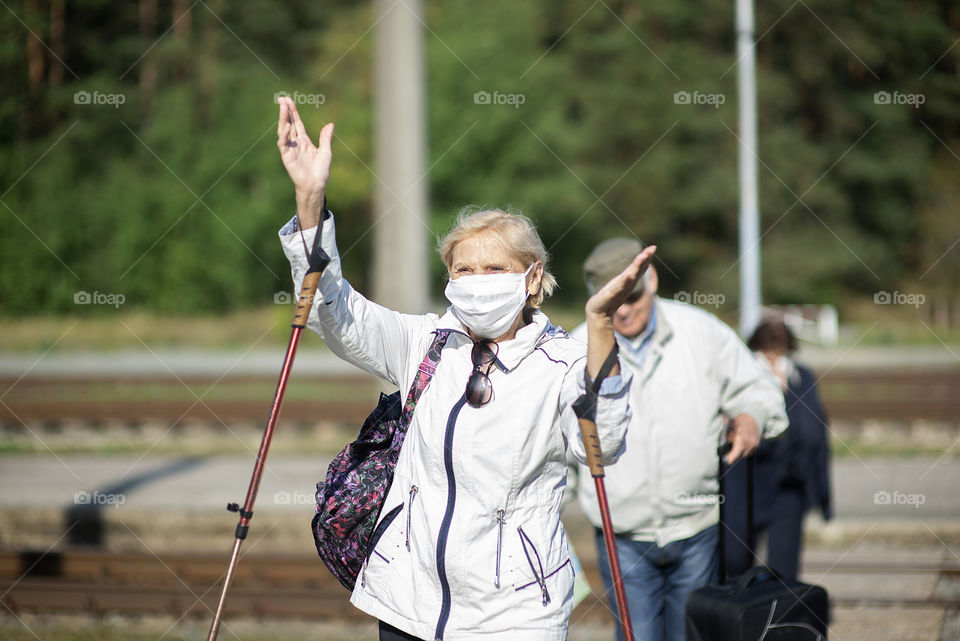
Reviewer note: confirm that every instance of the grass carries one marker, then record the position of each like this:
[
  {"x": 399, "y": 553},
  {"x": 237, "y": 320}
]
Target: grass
[{"x": 263, "y": 327}]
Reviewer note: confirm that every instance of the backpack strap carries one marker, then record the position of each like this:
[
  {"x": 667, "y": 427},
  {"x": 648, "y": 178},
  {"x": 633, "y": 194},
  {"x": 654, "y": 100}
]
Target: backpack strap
[{"x": 424, "y": 373}]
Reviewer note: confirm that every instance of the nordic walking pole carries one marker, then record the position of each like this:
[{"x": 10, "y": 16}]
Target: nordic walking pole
[
  {"x": 585, "y": 408},
  {"x": 318, "y": 261}
]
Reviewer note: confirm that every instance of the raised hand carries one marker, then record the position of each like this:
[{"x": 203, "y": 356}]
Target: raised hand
[
  {"x": 601, "y": 307},
  {"x": 609, "y": 297},
  {"x": 308, "y": 165}
]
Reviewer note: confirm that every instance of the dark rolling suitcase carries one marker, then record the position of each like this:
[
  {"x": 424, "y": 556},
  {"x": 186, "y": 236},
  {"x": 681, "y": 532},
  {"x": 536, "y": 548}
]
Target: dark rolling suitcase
[{"x": 759, "y": 605}]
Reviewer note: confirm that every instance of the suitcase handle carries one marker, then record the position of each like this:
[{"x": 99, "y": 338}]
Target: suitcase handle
[{"x": 747, "y": 579}]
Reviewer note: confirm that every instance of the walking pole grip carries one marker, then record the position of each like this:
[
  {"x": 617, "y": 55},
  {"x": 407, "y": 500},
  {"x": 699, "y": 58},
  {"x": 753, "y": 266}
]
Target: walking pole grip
[
  {"x": 591, "y": 442},
  {"x": 318, "y": 261},
  {"x": 305, "y": 300},
  {"x": 585, "y": 408}
]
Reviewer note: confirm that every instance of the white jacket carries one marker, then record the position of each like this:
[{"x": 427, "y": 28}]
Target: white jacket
[
  {"x": 475, "y": 544},
  {"x": 696, "y": 375}
]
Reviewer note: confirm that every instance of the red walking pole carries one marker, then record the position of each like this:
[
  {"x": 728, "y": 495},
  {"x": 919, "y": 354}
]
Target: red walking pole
[
  {"x": 586, "y": 410},
  {"x": 595, "y": 460},
  {"x": 318, "y": 261}
]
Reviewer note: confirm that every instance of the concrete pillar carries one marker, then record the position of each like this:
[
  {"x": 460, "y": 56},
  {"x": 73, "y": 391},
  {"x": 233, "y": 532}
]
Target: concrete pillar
[{"x": 400, "y": 205}]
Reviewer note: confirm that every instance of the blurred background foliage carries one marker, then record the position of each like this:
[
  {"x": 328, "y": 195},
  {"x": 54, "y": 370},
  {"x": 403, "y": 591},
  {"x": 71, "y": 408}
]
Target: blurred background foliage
[{"x": 173, "y": 198}]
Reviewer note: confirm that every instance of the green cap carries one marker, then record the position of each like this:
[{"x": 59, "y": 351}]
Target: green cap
[{"x": 608, "y": 259}]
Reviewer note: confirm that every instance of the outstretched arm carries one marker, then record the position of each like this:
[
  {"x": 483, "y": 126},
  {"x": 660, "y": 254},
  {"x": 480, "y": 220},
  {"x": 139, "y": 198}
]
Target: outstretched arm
[{"x": 308, "y": 165}]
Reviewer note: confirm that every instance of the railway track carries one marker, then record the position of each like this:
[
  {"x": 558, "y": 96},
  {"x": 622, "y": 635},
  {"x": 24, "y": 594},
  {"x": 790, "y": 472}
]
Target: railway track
[
  {"x": 188, "y": 585},
  {"x": 182, "y": 401},
  {"x": 847, "y": 395}
]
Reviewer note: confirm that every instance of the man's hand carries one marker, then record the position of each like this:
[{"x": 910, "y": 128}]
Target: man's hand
[
  {"x": 744, "y": 435},
  {"x": 308, "y": 165}
]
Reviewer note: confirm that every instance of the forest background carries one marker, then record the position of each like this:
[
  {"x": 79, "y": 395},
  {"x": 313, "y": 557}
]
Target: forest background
[{"x": 138, "y": 156}]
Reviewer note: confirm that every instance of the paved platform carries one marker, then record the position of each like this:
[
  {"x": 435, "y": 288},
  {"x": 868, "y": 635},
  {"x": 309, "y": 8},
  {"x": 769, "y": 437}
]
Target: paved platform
[
  {"x": 876, "y": 488},
  {"x": 314, "y": 359},
  {"x": 900, "y": 517}
]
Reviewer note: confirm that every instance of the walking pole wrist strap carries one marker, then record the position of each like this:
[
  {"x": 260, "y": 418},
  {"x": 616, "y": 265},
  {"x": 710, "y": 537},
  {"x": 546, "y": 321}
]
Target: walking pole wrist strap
[{"x": 585, "y": 409}]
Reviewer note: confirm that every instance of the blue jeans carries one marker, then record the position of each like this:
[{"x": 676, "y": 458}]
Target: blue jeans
[{"x": 658, "y": 581}]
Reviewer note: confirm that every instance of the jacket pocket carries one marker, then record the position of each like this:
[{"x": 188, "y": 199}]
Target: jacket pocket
[
  {"x": 377, "y": 534},
  {"x": 535, "y": 562}
]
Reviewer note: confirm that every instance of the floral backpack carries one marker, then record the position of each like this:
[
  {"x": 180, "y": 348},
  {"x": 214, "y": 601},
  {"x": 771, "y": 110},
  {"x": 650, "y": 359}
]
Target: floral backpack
[{"x": 349, "y": 501}]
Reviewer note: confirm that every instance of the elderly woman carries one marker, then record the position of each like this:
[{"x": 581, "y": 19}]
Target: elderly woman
[
  {"x": 469, "y": 540},
  {"x": 792, "y": 472}
]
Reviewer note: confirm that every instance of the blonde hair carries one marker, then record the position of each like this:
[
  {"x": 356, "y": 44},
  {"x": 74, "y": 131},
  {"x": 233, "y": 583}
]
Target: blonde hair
[{"x": 514, "y": 230}]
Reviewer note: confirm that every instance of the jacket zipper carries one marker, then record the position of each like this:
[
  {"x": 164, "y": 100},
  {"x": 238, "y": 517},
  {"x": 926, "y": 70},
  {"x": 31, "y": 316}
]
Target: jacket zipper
[
  {"x": 539, "y": 576},
  {"x": 413, "y": 493},
  {"x": 374, "y": 539},
  {"x": 447, "y": 518},
  {"x": 500, "y": 523}
]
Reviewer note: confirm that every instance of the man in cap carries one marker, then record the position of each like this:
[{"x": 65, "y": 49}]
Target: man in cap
[{"x": 695, "y": 385}]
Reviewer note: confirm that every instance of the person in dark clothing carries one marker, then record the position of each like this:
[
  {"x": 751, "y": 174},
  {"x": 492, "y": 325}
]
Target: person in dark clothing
[{"x": 792, "y": 471}]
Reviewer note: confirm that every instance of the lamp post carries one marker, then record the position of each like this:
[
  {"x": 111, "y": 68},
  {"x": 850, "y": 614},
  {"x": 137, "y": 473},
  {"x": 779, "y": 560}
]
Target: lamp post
[{"x": 749, "y": 221}]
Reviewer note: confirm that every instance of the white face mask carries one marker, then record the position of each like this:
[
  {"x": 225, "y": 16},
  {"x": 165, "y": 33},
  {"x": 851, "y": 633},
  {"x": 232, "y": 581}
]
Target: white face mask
[
  {"x": 782, "y": 368},
  {"x": 488, "y": 303}
]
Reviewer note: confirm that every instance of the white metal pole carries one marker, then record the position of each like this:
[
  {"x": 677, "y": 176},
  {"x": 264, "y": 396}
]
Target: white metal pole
[{"x": 750, "y": 300}]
